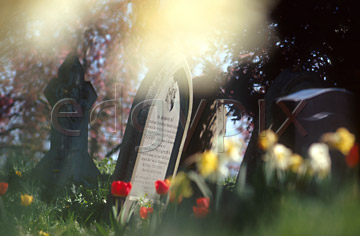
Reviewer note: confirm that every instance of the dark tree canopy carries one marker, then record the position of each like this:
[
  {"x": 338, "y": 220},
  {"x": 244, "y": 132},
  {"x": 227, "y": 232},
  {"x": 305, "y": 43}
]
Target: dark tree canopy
[{"x": 319, "y": 36}]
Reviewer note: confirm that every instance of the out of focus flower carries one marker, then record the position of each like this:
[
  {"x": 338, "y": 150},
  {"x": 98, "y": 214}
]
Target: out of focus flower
[
  {"x": 267, "y": 139},
  {"x": 18, "y": 173},
  {"x": 203, "y": 202},
  {"x": 144, "y": 212},
  {"x": 222, "y": 170},
  {"x": 202, "y": 207},
  {"x": 320, "y": 161},
  {"x": 26, "y": 199},
  {"x": 42, "y": 233},
  {"x": 120, "y": 188},
  {"x": 181, "y": 186},
  {"x": 208, "y": 163},
  {"x": 296, "y": 162},
  {"x": 200, "y": 212},
  {"x": 341, "y": 140},
  {"x": 3, "y": 188},
  {"x": 352, "y": 159},
  {"x": 175, "y": 198},
  {"x": 162, "y": 186},
  {"x": 282, "y": 156},
  {"x": 232, "y": 148}
]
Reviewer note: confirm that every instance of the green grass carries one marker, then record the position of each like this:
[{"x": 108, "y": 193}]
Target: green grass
[
  {"x": 299, "y": 216},
  {"x": 81, "y": 211}
]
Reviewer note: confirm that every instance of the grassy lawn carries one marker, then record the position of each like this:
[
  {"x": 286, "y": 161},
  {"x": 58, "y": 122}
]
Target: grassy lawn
[{"x": 81, "y": 211}]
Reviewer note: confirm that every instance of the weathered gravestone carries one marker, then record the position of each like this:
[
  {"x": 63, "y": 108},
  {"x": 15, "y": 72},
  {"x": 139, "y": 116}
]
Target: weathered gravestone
[
  {"x": 71, "y": 98},
  {"x": 285, "y": 83},
  {"x": 315, "y": 112},
  {"x": 156, "y": 129},
  {"x": 208, "y": 119}
]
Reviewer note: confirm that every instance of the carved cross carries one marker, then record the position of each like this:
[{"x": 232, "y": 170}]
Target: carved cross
[{"x": 71, "y": 98}]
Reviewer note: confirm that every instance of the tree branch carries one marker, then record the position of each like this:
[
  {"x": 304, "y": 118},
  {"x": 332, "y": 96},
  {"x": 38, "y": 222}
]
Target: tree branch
[
  {"x": 22, "y": 146},
  {"x": 112, "y": 151},
  {"x": 14, "y": 127}
]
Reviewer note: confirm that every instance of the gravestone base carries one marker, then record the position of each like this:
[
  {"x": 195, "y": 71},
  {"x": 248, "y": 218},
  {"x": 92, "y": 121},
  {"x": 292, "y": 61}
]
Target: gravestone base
[{"x": 76, "y": 168}]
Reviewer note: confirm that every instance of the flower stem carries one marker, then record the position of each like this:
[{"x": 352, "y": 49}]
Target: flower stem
[
  {"x": 219, "y": 188},
  {"x": 2, "y": 209}
]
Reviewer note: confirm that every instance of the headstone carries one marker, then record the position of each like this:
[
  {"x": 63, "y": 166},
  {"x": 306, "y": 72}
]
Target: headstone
[
  {"x": 156, "y": 129},
  {"x": 71, "y": 98},
  {"x": 285, "y": 83},
  {"x": 319, "y": 111},
  {"x": 208, "y": 119}
]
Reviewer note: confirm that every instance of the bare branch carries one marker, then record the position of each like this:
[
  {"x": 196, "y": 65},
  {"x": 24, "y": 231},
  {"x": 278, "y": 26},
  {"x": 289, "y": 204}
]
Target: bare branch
[{"x": 112, "y": 151}]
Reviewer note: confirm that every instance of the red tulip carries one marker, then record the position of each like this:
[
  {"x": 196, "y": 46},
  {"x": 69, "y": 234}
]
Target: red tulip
[
  {"x": 352, "y": 159},
  {"x": 202, "y": 207},
  {"x": 150, "y": 210},
  {"x": 120, "y": 189},
  {"x": 200, "y": 212},
  {"x": 162, "y": 186},
  {"x": 144, "y": 211},
  {"x": 3, "y": 188},
  {"x": 203, "y": 202}
]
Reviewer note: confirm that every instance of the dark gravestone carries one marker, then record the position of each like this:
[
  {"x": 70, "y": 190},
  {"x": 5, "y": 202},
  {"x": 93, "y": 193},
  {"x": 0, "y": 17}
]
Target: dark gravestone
[
  {"x": 68, "y": 160},
  {"x": 285, "y": 83},
  {"x": 156, "y": 129},
  {"x": 320, "y": 111},
  {"x": 206, "y": 118}
]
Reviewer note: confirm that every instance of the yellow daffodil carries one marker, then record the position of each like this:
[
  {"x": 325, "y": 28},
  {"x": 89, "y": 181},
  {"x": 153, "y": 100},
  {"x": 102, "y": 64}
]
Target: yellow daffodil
[
  {"x": 267, "y": 139},
  {"x": 296, "y": 161},
  {"x": 42, "y": 233},
  {"x": 181, "y": 186},
  {"x": 341, "y": 140},
  {"x": 26, "y": 199},
  {"x": 232, "y": 149},
  {"x": 208, "y": 163},
  {"x": 282, "y": 156},
  {"x": 320, "y": 161},
  {"x": 18, "y": 173}
]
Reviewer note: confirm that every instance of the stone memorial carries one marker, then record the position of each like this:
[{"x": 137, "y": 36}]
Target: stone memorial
[
  {"x": 319, "y": 111},
  {"x": 71, "y": 98},
  {"x": 208, "y": 119},
  {"x": 285, "y": 83},
  {"x": 323, "y": 110},
  {"x": 156, "y": 129}
]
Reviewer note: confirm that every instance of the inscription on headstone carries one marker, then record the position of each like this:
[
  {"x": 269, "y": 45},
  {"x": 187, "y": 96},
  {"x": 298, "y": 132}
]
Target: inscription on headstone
[
  {"x": 158, "y": 140},
  {"x": 156, "y": 129}
]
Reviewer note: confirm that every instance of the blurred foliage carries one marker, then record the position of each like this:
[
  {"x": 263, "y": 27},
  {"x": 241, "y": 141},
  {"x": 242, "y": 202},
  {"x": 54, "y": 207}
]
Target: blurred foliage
[
  {"x": 319, "y": 36},
  {"x": 257, "y": 210},
  {"x": 35, "y": 38},
  {"x": 229, "y": 183},
  {"x": 256, "y": 40}
]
